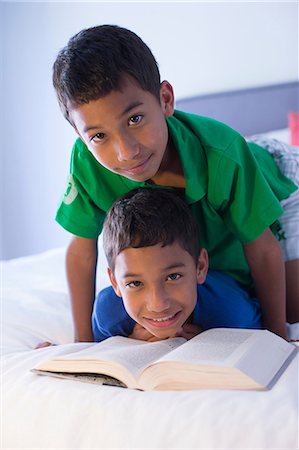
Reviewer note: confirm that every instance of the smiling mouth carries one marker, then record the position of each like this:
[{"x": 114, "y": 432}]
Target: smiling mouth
[
  {"x": 138, "y": 168},
  {"x": 163, "y": 321}
]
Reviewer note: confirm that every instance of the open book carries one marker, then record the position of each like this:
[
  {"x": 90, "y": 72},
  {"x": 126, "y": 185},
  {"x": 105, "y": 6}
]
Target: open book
[{"x": 221, "y": 358}]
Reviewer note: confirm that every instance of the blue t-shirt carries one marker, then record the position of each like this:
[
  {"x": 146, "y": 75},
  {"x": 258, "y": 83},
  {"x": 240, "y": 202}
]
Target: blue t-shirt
[{"x": 221, "y": 302}]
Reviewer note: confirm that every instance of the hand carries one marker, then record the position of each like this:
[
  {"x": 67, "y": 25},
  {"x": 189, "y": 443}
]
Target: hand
[
  {"x": 142, "y": 334},
  {"x": 43, "y": 344},
  {"x": 188, "y": 331}
]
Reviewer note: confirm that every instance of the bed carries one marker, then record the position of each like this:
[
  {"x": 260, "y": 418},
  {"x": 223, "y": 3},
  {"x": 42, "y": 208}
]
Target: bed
[{"x": 48, "y": 413}]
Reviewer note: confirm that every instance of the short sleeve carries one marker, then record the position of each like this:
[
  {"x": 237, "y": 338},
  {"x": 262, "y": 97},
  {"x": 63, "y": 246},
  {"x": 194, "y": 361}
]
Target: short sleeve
[
  {"x": 244, "y": 197},
  {"x": 77, "y": 213}
]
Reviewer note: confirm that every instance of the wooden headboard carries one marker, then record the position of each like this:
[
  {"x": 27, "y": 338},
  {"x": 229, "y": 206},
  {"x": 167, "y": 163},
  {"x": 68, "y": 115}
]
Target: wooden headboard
[{"x": 249, "y": 111}]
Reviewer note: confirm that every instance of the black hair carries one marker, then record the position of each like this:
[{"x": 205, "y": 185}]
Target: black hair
[
  {"x": 148, "y": 216},
  {"x": 94, "y": 62}
]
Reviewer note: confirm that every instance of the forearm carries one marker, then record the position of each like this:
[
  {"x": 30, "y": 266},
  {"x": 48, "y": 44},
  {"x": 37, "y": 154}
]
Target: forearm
[
  {"x": 270, "y": 289},
  {"x": 268, "y": 272},
  {"x": 81, "y": 267}
]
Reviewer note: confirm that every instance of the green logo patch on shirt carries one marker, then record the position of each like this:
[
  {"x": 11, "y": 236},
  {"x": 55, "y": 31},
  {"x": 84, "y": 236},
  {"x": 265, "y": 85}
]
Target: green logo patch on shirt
[{"x": 71, "y": 191}]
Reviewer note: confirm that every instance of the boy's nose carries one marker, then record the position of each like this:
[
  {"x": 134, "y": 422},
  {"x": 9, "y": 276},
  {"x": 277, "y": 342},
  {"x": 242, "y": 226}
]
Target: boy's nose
[
  {"x": 157, "y": 301},
  {"x": 127, "y": 149}
]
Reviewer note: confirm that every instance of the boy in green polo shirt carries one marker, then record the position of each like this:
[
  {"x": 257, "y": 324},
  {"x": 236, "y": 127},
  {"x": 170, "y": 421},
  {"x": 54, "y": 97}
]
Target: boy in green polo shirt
[{"x": 109, "y": 89}]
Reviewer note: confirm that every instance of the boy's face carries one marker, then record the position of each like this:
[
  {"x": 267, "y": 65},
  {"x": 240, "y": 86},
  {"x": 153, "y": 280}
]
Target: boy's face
[
  {"x": 158, "y": 286},
  {"x": 126, "y": 130}
]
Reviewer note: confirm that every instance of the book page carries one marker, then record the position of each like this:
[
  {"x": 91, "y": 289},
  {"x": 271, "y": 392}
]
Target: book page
[
  {"x": 210, "y": 347},
  {"x": 265, "y": 356},
  {"x": 241, "y": 358},
  {"x": 133, "y": 354}
]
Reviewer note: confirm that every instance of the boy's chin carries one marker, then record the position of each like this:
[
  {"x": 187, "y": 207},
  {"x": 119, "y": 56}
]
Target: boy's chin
[
  {"x": 166, "y": 334},
  {"x": 138, "y": 179}
]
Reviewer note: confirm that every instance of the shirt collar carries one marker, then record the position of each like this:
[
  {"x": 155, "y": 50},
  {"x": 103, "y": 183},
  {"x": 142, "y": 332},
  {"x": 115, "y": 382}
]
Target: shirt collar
[{"x": 184, "y": 132}]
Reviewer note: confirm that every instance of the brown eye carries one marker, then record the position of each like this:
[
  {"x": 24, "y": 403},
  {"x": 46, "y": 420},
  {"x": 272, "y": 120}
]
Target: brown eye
[
  {"x": 134, "y": 284},
  {"x": 134, "y": 120},
  {"x": 174, "y": 276},
  {"x": 98, "y": 137}
]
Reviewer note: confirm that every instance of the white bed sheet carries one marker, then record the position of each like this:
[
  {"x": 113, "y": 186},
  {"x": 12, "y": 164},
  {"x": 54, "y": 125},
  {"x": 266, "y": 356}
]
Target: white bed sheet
[
  {"x": 48, "y": 413},
  {"x": 282, "y": 135}
]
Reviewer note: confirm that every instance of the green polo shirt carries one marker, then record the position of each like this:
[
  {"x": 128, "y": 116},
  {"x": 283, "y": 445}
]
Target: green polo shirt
[{"x": 234, "y": 189}]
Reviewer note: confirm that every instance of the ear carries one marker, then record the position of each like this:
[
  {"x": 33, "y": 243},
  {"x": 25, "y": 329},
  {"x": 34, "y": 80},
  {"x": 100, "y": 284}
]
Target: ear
[
  {"x": 167, "y": 98},
  {"x": 202, "y": 266},
  {"x": 113, "y": 282}
]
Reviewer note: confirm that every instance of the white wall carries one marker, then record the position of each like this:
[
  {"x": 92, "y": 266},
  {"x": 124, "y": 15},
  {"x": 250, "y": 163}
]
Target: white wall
[{"x": 201, "y": 47}]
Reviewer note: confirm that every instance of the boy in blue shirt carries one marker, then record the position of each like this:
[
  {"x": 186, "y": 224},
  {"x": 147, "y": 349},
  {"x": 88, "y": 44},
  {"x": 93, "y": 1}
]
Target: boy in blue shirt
[
  {"x": 160, "y": 274},
  {"x": 109, "y": 89}
]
